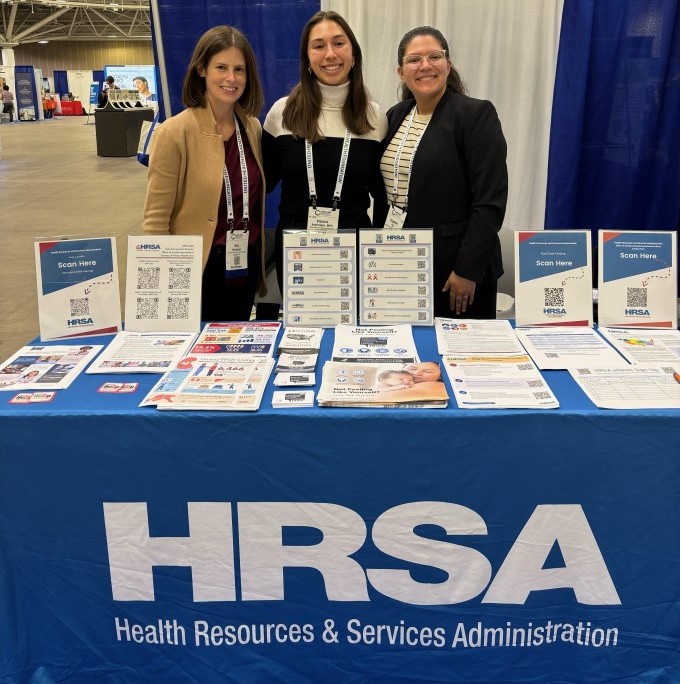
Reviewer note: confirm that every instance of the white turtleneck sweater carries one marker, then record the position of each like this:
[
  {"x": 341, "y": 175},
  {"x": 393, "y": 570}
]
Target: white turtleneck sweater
[{"x": 284, "y": 160}]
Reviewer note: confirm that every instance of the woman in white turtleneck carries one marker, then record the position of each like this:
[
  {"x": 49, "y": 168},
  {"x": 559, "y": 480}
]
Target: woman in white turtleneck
[{"x": 330, "y": 109}]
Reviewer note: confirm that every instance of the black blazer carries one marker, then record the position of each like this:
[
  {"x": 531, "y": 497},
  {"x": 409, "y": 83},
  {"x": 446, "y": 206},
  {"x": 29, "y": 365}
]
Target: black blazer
[{"x": 459, "y": 184}]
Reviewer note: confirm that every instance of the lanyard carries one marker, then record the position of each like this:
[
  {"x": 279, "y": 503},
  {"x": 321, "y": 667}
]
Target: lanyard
[
  {"x": 341, "y": 170},
  {"x": 244, "y": 184},
  {"x": 397, "y": 159}
]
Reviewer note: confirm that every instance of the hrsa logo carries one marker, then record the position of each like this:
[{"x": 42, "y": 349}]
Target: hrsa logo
[
  {"x": 79, "y": 321},
  {"x": 319, "y": 241},
  {"x": 637, "y": 312},
  {"x": 146, "y": 245},
  {"x": 557, "y": 312},
  {"x": 393, "y": 236},
  {"x": 263, "y": 557}
]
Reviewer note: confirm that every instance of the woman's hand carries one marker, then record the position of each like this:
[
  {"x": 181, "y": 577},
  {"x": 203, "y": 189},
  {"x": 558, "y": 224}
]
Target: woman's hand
[{"x": 461, "y": 292}]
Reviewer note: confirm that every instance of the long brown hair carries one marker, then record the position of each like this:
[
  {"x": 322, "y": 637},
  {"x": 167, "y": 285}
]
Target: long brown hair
[
  {"x": 303, "y": 107},
  {"x": 453, "y": 80},
  {"x": 209, "y": 44}
]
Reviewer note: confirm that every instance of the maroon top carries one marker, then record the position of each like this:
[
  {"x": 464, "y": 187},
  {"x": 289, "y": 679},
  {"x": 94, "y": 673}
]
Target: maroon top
[{"x": 233, "y": 165}]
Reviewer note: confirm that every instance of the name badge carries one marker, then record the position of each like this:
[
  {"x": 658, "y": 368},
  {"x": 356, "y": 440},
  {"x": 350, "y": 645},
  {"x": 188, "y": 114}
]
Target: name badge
[
  {"x": 237, "y": 254},
  {"x": 396, "y": 217},
  {"x": 323, "y": 218}
]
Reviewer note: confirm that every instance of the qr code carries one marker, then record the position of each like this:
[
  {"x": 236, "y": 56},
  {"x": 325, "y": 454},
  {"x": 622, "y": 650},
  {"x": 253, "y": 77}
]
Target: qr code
[
  {"x": 421, "y": 264},
  {"x": 525, "y": 366},
  {"x": 344, "y": 318},
  {"x": 178, "y": 307},
  {"x": 148, "y": 278},
  {"x": 553, "y": 296},
  {"x": 344, "y": 254},
  {"x": 344, "y": 292},
  {"x": 344, "y": 280},
  {"x": 552, "y": 355},
  {"x": 344, "y": 267},
  {"x": 636, "y": 297},
  {"x": 147, "y": 307},
  {"x": 344, "y": 306},
  {"x": 421, "y": 251},
  {"x": 422, "y": 290},
  {"x": 80, "y": 306},
  {"x": 534, "y": 383},
  {"x": 421, "y": 277},
  {"x": 179, "y": 278},
  {"x": 542, "y": 395},
  {"x": 237, "y": 259},
  {"x": 422, "y": 316},
  {"x": 422, "y": 303}
]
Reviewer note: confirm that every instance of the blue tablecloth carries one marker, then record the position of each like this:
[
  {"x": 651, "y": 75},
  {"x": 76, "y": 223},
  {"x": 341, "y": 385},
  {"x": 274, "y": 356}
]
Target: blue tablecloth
[{"x": 337, "y": 545}]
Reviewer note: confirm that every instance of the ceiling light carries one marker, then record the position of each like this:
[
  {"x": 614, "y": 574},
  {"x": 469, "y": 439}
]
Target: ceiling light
[{"x": 43, "y": 42}]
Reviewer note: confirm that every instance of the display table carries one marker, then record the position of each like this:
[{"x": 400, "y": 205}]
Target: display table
[
  {"x": 71, "y": 108},
  {"x": 118, "y": 130},
  {"x": 337, "y": 545}
]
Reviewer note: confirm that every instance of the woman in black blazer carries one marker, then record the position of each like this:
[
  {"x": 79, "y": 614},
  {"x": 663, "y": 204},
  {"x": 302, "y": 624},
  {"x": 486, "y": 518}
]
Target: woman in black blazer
[{"x": 444, "y": 168}]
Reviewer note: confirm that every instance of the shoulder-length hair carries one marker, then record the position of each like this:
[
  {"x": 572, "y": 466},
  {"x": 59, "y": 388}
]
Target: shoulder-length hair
[
  {"x": 303, "y": 108},
  {"x": 453, "y": 81},
  {"x": 209, "y": 44}
]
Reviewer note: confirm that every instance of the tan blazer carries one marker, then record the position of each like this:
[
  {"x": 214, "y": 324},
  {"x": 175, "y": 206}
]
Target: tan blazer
[{"x": 185, "y": 176}]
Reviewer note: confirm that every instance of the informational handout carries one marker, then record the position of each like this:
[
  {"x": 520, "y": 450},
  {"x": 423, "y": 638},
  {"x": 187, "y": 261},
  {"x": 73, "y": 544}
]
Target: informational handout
[
  {"x": 163, "y": 285},
  {"x": 395, "y": 271},
  {"x": 374, "y": 344},
  {"x": 560, "y": 348},
  {"x": 652, "y": 347},
  {"x": 132, "y": 352},
  {"x": 501, "y": 382},
  {"x": 637, "y": 279},
  {"x": 553, "y": 278},
  {"x": 304, "y": 340},
  {"x": 476, "y": 337},
  {"x": 319, "y": 280},
  {"x": 256, "y": 337},
  {"x": 635, "y": 387},
  {"x": 78, "y": 293},
  {"x": 45, "y": 367}
]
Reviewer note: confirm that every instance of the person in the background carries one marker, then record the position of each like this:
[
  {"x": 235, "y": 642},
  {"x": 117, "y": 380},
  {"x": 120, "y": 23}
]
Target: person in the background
[
  {"x": 444, "y": 167},
  {"x": 205, "y": 172},
  {"x": 146, "y": 97},
  {"x": 8, "y": 102},
  {"x": 109, "y": 82},
  {"x": 329, "y": 121}
]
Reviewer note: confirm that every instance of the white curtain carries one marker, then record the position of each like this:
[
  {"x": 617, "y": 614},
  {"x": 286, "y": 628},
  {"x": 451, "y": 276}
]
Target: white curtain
[
  {"x": 79, "y": 84},
  {"x": 506, "y": 52}
]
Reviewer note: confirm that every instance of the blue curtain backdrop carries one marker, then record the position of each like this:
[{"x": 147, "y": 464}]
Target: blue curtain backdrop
[
  {"x": 273, "y": 29},
  {"x": 60, "y": 82},
  {"x": 615, "y": 134}
]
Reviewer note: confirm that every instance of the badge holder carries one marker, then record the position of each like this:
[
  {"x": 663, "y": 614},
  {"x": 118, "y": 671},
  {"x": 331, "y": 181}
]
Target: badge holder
[{"x": 236, "y": 253}]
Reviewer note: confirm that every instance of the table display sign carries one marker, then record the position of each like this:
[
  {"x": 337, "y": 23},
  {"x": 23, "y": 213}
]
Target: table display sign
[
  {"x": 637, "y": 279},
  {"x": 163, "y": 286},
  {"x": 553, "y": 278},
  {"x": 395, "y": 275},
  {"x": 78, "y": 291},
  {"x": 319, "y": 278}
]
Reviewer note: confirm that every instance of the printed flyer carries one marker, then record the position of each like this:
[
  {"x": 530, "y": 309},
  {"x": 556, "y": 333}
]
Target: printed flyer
[
  {"x": 319, "y": 278},
  {"x": 163, "y": 286},
  {"x": 637, "y": 279},
  {"x": 78, "y": 292},
  {"x": 395, "y": 272},
  {"x": 553, "y": 278}
]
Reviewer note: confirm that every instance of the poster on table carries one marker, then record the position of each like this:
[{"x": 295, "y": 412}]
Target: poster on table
[
  {"x": 163, "y": 287},
  {"x": 553, "y": 278},
  {"x": 395, "y": 276},
  {"x": 637, "y": 279},
  {"x": 319, "y": 278},
  {"x": 78, "y": 291}
]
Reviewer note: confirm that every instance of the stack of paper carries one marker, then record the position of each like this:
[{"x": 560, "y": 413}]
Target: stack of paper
[
  {"x": 288, "y": 399},
  {"x": 374, "y": 344}
]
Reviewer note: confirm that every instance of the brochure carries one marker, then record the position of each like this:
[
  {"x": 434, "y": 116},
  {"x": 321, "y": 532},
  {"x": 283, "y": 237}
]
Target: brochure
[
  {"x": 304, "y": 340},
  {"x": 78, "y": 293},
  {"x": 301, "y": 362},
  {"x": 45, "y": 367},
  {"x": 319, "y": 282},
  {"x": 652, "y": 347},
  {"x": 374, "y": 344},
  {"x": 395, "y": 273},
  {"x": 288, "y": 399},
  {"x": 238, "y": 338},
  {"x": 131, "y": 352},
  {"x": 163, "y": 285},
  {"x": 295, "y": 379},
  {"x": 416, "y": 385},
  {"x": 476, "y": 337},
  {"x": 501, "y": 382},
  {"x": 637, "y": 279}
]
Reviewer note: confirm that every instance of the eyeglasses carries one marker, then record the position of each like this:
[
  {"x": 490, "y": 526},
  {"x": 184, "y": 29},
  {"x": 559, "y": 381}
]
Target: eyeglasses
[{"x": 435, "y": 58}]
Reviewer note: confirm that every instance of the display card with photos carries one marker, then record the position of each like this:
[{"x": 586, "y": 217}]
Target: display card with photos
[
  {"x": 319, "y": 278},
  {"x": 395, "y": 275}
]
